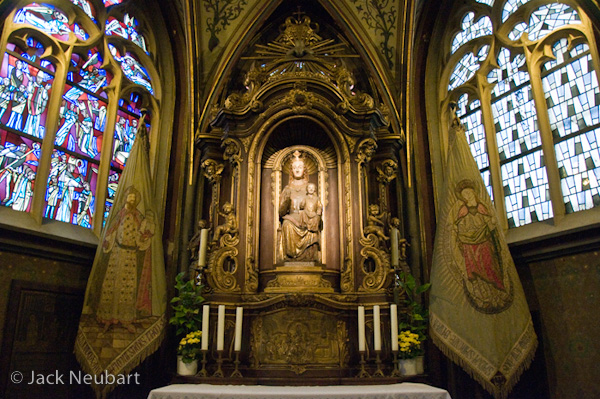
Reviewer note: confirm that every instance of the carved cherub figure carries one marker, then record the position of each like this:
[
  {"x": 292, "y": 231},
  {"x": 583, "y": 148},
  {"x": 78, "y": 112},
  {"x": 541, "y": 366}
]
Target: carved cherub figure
[
  {"x": 230, "y": 225},
  {"x": 375, "y": 223}
]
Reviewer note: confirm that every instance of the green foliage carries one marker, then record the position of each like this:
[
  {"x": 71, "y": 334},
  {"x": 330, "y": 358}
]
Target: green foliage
[
  {"x": 416, "y": 318},
  {"x": 186, "y": 306}
]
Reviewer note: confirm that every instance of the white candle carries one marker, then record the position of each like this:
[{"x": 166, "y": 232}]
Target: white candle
[
  {"x": 376, "y": 328},
  {"x": 205, "y": 314},
  {"x": 394, "y": 238},
  {"x": 394, "y": 326},
  {"x": 203, "y": 246},
  {"x": 239, "y": 312},
  {"x": 221, "y": 327},
  {"x": 361, "y": 328}
]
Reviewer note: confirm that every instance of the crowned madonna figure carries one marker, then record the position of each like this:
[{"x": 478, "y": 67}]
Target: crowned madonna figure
[{"x": 300, "y": 210}]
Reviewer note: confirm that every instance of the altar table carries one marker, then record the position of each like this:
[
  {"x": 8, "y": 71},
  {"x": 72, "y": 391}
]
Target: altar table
[{"x": 405, "y": 390}]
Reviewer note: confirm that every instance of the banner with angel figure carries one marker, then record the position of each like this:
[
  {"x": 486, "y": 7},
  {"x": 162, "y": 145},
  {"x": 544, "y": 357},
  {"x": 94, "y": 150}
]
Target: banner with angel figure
[
  {"x": 123, "y": 317},
  {"x": 478, "y": 312}
]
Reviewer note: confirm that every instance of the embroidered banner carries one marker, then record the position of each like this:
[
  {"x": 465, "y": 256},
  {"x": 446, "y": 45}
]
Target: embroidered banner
[
  {"x": 479, "y": 316},
  {"x": 123, "y": 317}
]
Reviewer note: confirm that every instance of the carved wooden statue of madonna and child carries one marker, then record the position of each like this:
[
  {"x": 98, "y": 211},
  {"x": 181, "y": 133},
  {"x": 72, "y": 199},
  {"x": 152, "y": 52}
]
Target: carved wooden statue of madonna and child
[
  {"x": 300, "y": 234},
  {"x": 300, "y": 210}
]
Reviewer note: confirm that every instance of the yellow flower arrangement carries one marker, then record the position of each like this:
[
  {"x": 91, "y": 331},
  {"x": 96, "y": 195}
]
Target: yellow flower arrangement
[
  {"x": 189, "y": 346},
  {"x": 409, "y": 345}
]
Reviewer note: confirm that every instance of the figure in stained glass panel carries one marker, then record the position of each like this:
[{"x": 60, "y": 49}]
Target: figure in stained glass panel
[
  {"x": 37, "y": 102},
  {"x": 85, "y": 135},
  {"x": 132, "y": 69},
  {"x": 5, "y": 96},
  {"x": 19, "y": 101},
  {"x": 69, "y": 179},
  {"x": 69, "y": 114},
  {"x": 127, "y": 30},
  {"x": 93, "y": 79},
  {"x": 12, "y": 158}
]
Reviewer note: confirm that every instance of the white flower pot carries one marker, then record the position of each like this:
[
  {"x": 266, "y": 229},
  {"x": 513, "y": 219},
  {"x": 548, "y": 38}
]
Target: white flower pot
[
  {"x": 420, "y": 364},
  {"x": 186, "y": 368},
  {"x": 408, "y": 366}
]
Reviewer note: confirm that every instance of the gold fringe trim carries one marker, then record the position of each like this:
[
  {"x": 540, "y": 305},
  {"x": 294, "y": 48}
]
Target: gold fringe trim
[
  {"x": 90, "y": 365},
  {"x": 498, "y": 390}
]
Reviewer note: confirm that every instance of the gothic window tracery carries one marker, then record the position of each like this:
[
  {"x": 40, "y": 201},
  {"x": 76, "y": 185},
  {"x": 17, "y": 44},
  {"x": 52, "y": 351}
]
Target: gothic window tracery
[
  {"x": 49, "y": 49},
  {"x": 535, "y": 137}
]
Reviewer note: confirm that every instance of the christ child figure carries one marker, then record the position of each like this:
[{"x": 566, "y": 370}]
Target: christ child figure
[{"x": 312, "y": 209}]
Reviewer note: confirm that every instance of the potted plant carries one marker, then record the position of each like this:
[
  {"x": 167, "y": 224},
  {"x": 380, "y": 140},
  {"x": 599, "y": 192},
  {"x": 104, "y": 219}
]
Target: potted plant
[
  {"x": 410, "y": 349},
  {"x": 187, "y": 320},
  {"x": 188, "y": 352},
  {"x": 186, "y": 306},
  {"x": 416, "y": 318}
]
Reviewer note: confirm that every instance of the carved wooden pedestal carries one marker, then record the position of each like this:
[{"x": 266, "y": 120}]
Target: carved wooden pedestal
[{"x": 299, "y": 277}]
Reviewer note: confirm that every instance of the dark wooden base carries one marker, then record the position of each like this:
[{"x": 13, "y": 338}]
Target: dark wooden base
[{"x": 277, "y": 381}]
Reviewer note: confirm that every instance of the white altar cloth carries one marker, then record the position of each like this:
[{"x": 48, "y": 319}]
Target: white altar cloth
[{"x": 405, "y": 390}]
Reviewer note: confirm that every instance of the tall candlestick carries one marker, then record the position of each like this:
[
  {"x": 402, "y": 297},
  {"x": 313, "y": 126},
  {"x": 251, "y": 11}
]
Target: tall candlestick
[
  {"x": 203, "y": 246},
  {"x": 361, "y": 328},
  {"x": 376, "y": 328},
  {"x": 239, "y": 312},
  {"x": 205, "y": 314},
  {"x": 221, "y": 327},
  {"x": 394, "y": 234},
  {"x": 394, "y": 326}
]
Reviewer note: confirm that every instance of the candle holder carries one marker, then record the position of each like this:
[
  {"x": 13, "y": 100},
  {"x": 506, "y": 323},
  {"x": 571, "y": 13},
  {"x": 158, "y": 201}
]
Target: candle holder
[
  {"x": 202, "y": 372},
  {"x": 379, "y": 371},
  {"x": 396, "y": 371},
  {"x": 236, "y": 372},
  {"x": 363, "y": 373},
  {"x": 219, "y": 372}
]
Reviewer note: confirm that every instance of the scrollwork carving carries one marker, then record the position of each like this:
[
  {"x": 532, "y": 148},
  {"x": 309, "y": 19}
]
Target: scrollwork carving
[{"x": 365, "y": 151}]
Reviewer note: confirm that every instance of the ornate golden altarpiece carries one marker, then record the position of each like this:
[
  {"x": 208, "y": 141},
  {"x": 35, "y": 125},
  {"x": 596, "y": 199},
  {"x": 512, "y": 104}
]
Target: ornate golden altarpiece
[{"x": 305, "y": 99}]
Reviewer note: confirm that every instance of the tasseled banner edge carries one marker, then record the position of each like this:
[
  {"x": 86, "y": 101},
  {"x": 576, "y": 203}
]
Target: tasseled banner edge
[
  {"x": 102, "y": 391},
  {"x": 498, "y": 391}
]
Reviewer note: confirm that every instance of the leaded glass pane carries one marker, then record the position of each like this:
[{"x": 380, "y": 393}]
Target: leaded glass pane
[
  {"x": 19, "y": 160},
  {"x": 510, "y": 7},
  {"x": 128, "y": 29},
  {"x": 50, "y": 20},
  {"x": 471, "y": 30},
  {"x": 572, "y": 93},
  {"x": 488, "y": 2},
  {"x": 70, "y": 191},
  {"x": 108, "y": 3},
  {"x": 24, "y": 92},
  {"x": 132, "y": 69},
  {"x": 578, "y": 161},
  {"x": 466, "y": 67},
  {"x": 526, "y": 191},
  {"x": 550, "y": 17},
  {"x": 513, "y": 108},
  {"x": 86, "y": 7}
]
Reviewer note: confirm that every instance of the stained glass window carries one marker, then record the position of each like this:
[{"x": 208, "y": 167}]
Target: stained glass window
[
  {"x": 128, "y": 29},
  {"x": 467, "y": 66},
  {"x": 88, "y": 153},
  {"x": 565, "y": 90},
  {"x": 573, "y": 100},
  {"x": 50, "y": 20},
  {"x": 131, "y": 67},
  {"x": 472, "y": 30}
]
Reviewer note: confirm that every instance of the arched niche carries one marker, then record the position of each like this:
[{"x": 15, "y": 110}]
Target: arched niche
[{"x": 313, "y": 141}]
